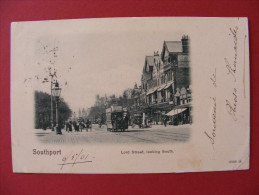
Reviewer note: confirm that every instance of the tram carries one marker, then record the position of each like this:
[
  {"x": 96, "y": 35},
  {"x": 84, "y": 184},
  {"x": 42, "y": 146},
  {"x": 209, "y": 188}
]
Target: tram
[{"x": 116, "y": 118}]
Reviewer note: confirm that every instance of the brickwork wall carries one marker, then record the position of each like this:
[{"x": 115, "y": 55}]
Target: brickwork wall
[{"x": 182, "y": 77}]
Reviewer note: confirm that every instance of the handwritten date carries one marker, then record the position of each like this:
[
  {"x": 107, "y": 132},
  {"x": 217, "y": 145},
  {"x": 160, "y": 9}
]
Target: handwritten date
[{"x": 75, "y": 158}]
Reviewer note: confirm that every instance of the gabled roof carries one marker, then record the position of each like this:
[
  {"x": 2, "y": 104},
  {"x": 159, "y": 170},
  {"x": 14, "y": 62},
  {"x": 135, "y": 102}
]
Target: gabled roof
[
  {"x": 174, "y": 46},
  {"x": 146, "y": 75},
  {"x": 149, "y": 66}
]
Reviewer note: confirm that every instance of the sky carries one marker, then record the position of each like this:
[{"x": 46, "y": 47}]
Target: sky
[{"x": 94, "y": 57}]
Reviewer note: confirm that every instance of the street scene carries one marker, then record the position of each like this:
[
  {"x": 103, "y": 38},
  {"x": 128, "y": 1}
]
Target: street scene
[{"x": 157, "y": 110}]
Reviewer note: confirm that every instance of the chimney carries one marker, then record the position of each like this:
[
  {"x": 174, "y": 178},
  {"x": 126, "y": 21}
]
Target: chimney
[
  {"x": 156, "y": 53},
  {"x": 185, "y": 43}
]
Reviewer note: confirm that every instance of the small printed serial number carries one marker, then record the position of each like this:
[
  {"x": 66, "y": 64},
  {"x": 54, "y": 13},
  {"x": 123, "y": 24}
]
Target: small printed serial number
[{"x": 234, "y": 161}]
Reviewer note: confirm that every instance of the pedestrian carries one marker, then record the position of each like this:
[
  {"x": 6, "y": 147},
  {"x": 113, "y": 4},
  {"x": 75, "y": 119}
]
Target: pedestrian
[
  {"x": 70, "y": 126},
  {"x": 67, "y": 126},
  {"x": 90, "y": 125},
  {"x": 81, "y": 126},
  {"x": 139, "y": 122},
  {"x": 165, "y": 121},
  {"x": 77, "y": 127}
]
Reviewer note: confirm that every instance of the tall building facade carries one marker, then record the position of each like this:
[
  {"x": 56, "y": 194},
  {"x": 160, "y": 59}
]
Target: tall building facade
[{"x": 166, "y": 83}]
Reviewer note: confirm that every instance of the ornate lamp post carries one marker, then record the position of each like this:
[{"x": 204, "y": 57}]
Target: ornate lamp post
[
  {"x": 51, "y": 103},
  {"x": 52, "y": 75},
  {"x": 56, "y": 93}
]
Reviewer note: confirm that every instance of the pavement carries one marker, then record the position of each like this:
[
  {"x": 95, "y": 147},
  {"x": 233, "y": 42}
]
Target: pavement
[{"x": 155, "y": 134}]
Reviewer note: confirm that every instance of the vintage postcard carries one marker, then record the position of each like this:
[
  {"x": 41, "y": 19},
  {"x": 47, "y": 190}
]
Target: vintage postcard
[{"x": 130, "y": 95}]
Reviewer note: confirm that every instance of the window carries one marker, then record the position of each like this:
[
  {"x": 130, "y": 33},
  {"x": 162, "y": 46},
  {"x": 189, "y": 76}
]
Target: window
[{"x": 178, "y": 100}]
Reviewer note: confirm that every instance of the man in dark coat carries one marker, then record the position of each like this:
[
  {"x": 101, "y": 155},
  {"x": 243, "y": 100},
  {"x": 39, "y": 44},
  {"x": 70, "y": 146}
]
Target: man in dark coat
[{"x": 70, "y": 126}]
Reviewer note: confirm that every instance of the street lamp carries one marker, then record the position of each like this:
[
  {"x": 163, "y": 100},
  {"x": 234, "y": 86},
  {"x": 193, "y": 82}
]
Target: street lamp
[
  {"x": 56, "y": 93},
  {"x": 51, "y": 103}
]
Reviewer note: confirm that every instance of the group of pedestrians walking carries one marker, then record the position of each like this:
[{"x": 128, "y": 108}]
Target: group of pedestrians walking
[{"x": 78, "y": 126}]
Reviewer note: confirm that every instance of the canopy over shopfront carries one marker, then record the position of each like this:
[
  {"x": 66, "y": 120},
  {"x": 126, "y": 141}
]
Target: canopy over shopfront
[
  {"x": 178, "y": 109},
  {"x": 161, "y": 87},
  {"x": 169, "y": 85},
  {"x": 151, "y": 91}
]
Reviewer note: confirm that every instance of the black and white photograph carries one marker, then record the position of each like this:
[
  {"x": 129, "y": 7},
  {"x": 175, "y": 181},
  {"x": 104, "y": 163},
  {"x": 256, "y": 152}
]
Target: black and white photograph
[{"x": 113, "y": 94}]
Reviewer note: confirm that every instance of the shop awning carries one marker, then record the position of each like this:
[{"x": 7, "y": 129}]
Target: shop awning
[
  {"x": 151, "y": 91},
  {"x": 188, "y": 105},
  {"x": 161, "y": 87},
  {"x": 176, "y": 111},
  {"x": 169, "y": 84}
]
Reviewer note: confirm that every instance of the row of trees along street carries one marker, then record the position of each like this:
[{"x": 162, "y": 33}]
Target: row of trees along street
[{"x": 43, "y": 110}]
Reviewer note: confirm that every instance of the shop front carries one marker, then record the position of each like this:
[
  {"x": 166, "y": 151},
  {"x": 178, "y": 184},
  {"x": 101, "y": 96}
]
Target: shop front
[{"x": 180, "y": 115}]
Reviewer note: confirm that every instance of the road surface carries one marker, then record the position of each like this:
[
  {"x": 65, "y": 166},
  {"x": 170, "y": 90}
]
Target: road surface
[{"x": 155, "y": 134}]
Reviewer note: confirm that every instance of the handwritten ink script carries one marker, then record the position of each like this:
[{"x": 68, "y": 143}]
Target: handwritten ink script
[
  {"x": 233, "y": 68},
  {"x": 232, "y": 104},
  {"x": 75, "y": 158},
  {"x": 232, "y": 107},
  {"x": 212, "y": 134},
  {"x": 213, "y": 78}
]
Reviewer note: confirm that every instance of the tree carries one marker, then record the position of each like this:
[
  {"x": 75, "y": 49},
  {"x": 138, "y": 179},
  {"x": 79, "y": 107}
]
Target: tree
[
  {"x": 42, "y": 110},
  {"x": 96, "y": 112}
]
